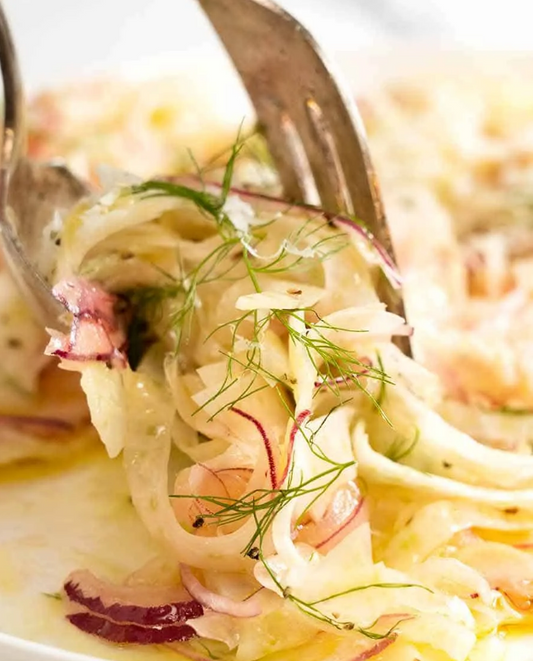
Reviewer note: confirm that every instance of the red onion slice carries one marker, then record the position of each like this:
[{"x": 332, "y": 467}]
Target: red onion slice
[
  {"x": 344, "y": 514},
  {"x": 96, "y": 334},
  {"x": 118, "y": 603},
  {"x": 244, "y": 470},
  {"x": 387, "y": 264},
  {"x": 216, "y": 477},
  {"x": 266, "y": 441},
  {"x": 116, "y": 632},
  {"x": 301, "y": 418},
  {"x": 335, "y": 537},
  {"x": 217, "y": 602},
  {"x": 376, "y": 649},
  {"x": 85, "y": 298},
  {"x": 42, "y": 427}
]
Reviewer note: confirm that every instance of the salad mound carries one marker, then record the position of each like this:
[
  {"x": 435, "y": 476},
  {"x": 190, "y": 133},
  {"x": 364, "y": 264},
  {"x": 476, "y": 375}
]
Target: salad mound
[{"x": 292, "y": 462}]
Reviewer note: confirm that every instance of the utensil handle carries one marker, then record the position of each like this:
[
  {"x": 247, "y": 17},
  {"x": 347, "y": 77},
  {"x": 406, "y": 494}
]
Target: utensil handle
[{"x": 13, "y": 134}]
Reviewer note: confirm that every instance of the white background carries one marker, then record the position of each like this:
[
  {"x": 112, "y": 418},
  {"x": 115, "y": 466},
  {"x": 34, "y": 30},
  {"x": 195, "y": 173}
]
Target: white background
[{"x": 60, "y": 39}]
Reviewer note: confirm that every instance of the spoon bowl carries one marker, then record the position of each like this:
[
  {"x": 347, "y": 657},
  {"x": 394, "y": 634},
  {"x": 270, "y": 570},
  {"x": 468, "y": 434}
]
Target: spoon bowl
[
  {"x": 30, "y": 192},
  {"x": 33, "y": 193}
]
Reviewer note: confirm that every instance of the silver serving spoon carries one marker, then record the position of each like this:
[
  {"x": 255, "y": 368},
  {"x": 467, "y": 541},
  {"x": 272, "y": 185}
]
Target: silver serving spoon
[
  {"x": 30, "y": 192},
  {"x": 312, "y": 128}
]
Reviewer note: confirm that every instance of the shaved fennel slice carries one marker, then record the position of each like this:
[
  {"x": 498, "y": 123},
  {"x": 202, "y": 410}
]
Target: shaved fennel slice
[
  {"x": 283, "y": 628},
  {"x": 105, "y": 394},
  {"x": 216, "y": 626},
  {"x": 294, "y": 562},
  {"x": 288, "y": 297},
  {"x": 85, "y": 228},
  {"x": 311, "y": 576},
  {"x": 411, "y": 543},
  {"x": 366, "y": 603},
  {"x": 293, "y": 559},
  {"x": 302, "y": 365},
  {"x": 415, "y": 377},
  {"x": 274, "y": 358},
  {"x": 186, "y": 439},
  {"x": 365, "y": 323},
  {"x": 441, "y": 449},
  {"x": 146, "y": 457},
  {"x": 347, "y": 281},
  {"x": 196, "y": 405},
  {"x": 378, "y": 469},
  {"x": 183, "y": 388},
  {"x": 507, "y": 570},
  {"x": 453, "y": 577},
  {"x": 442, "y": 633},
  {"x": 504, "y": 429},
  {"x": 249, "y": 393},
  {"x": 308, "y": 461}
]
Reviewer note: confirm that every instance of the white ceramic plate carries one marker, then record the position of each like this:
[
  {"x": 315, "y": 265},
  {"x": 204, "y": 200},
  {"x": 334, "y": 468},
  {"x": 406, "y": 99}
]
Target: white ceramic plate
[{"x": 50, "y": 523}]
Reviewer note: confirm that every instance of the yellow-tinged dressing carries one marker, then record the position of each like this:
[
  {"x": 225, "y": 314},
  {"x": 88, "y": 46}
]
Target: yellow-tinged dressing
[{"x": 54, "y": 519}]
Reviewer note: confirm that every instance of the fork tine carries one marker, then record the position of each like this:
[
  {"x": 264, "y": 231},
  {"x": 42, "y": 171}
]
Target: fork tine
[
  {"x": 291, "y": 85},
  {"x": 346, "y": 132},
  {"x": 344, "y": 176},
  {"x": 286, "y": 149},
  {"x": 261, "y": 25}
]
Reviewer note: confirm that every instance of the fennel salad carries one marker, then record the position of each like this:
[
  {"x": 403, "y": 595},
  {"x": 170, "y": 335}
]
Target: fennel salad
[
  {"x": 313, "y": 491},
  {"x": 233, "y": 349}
]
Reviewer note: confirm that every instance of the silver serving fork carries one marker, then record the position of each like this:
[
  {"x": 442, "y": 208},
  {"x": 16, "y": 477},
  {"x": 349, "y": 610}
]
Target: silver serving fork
[{"x": 312, "y": 126}]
